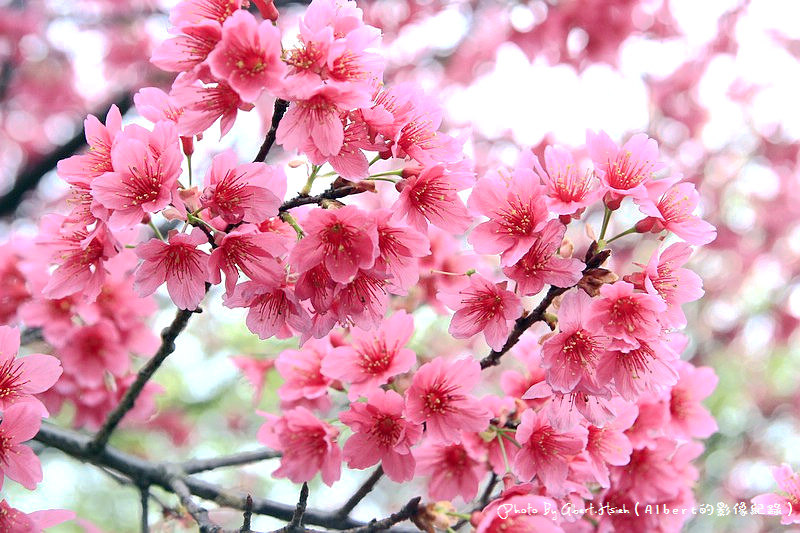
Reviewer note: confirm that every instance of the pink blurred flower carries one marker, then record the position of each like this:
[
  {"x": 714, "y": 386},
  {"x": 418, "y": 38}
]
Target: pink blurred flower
[
  {"x": 381, "y": 434},
  {"x": 255, "y": 370},
  {"x": 483, "y": 306},
  {"x": 542, "y": 265},
  {"x": 197, "y": 11},
  {"x": 20, "y": 423},
  {"x": 453, "y": 469},
  {"x": 308, "y": 445},
  {"x": 91, "y": 351},
  {"x": 688, "y": 417},
  {"x": 248, "y": 57},
  {"x": 178, "y": 262},
  {"x": 787, "y": 502},
  {"x": 439, "y": 396},
  {"x": 251, "y": 192},
  {"x": 373, "y": 357},
  {"x": 304, "y": 382}
]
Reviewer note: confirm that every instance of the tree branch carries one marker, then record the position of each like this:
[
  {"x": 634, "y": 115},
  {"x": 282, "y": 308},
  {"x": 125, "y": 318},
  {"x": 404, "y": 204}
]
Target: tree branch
[
  {"x": 295, "y": 525},
  {"x": 248, "y": 514},
  {"x": 330, "y": 194},
  {"x": 362, "y": 491},
  {"x": 30, "y": 176},
  {"x": 194, "y": 466},
  {"x": 594, "y": 259},
  {"x": 168, "y": 336},
  {"x": 144, "y": 492},
  {"x": 199, "y": 514},
  {"x": 277, "y": 114},
  {"x": 141, "y": 471},
  {"x": 410, "y": 509}
]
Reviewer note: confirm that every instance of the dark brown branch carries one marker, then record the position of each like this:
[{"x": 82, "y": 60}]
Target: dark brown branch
[
  {"x": 277, "y": 114},
  {"x": 295, "y": 525},
  {"x": 201, "y": 465},
  {"x": 30, "y": 176},
  {"x": 594, "y": 259},
  {"x": 487, "y": 492},
  {"x": 144, "y": 492},
  {"x": 168, "y": 336},
  {"x": 143, "y": 472},
  {"x": 409, "y": 510},
  {"x": 30, "y": 335},
  {"x": 248, "y": 515},
  {"x": 330, "y": 194},
  {"x": 361, "y": 493},
  {"x": 199, "y": 514}
]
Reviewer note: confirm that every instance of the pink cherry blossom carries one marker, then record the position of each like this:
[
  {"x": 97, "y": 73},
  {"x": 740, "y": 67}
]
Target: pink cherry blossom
[
  {"x": 483, "y": 306},
  {"x": 204, "y": 104},
  {"x": 381, "y": 434},
  {"x": 542, "y": 265},
  {"x": 345, "y": 240},
  {"x": 251, "y": 192},
  {"x": 567, "y": 410},
  {"x": 399, "y": 247},
  {"x": 648, "y": 367},
  {"x": 787, "y": 500},
  {"x": 626, "y": 316},
  {"x": 304, "y": 382},
  {"x": 273, "y": 309},
  {"x": 431, "y": 195},
  {"x": 177, "y": 262},
  {"x": 81, "y": 169},
  {"x": 349, "y": 162},
  {"x": 250, "y": 250},
  {"x": 145, "y": 175},
  {"x": 673, "y": 211},
  {"x": 439, "y": 396},
  {"x": 373, "y": 357},
  {"x": 15, "y": 521},
  {"x": 568, "y": 190},
  {"x": 516, "y": 512},
  {"x": 608, "y": 445},
  {"x": 248, "y": 58},
  {"x": 308, "y": 446},
  {"x": 545, "y": 451},
  {"x": 571, "y": 357},
  {"x": 664, "y": 276},
  {"x": 190, "y": 48},
  {"x": 255, "y": 370},
  {"x": 196, "y": 11},
  {"x": 453, "y": 469},
  {"x": 688, "y": 417},
  {"x": 22, "y": 377},
  {"x": 20, "y": 423},
  {"x": 516, "y": 210},
  {"x": 315, "y": 118},
  {"x": 624, "y": 171},
  {"x": 155, "y": 105},
  {"x": 361, "y": 302},
  {"x": 91, "y": 351}
]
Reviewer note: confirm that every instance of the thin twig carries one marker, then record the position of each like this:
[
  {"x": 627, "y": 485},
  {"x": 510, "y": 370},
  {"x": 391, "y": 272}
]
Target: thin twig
[
  {"x": 277, "y": 114},
  {"x": 487, "y": 492},
  {"x": 594, "y": 259},
  {"x": 199, "y": 514},
  {"x": 144, "y": 492},
  {"x": 409, "y": 510},
  {"x": 248, "y": 514},
  {"x": 330, "y": 194},
  {"x": 201, "y": 465},
  {"x": 362, "y": 491},
  {"x": 168, "y": 336}
]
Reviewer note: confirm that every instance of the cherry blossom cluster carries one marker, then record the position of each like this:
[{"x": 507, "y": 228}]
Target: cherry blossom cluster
[
  {"x": 21, "y": 412},
  {"x": 600, "y": 409}
]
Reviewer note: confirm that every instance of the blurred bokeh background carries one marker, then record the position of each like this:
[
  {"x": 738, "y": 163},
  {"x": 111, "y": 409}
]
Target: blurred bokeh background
[{"x": 715, "y": 82}]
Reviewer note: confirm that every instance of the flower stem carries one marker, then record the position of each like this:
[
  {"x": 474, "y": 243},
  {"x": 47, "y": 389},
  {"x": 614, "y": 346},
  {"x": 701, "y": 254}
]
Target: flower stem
[
  {"x": 289, "y": 219},
  {"x": 626, "y": 232},
  {"x": 306, "y": 190},
  {"x": 398, "y": 172},
  {"x": 604, "y": 227},
  {"x": 189, "y": 163},
  {"x": 156, "y": 230}
]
